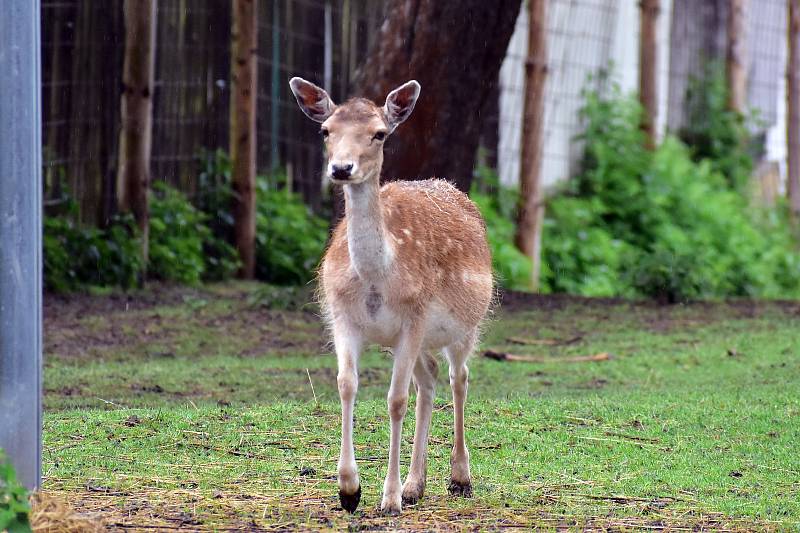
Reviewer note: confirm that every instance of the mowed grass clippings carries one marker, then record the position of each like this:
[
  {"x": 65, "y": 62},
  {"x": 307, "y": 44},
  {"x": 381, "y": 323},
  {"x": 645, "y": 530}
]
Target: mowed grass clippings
[{"x": 694, "y": 423}]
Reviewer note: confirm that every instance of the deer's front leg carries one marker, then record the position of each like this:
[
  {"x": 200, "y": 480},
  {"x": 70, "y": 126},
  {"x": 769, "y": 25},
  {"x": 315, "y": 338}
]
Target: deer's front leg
[
  {"x": 348, "y": 349},
  {"x": 405, "y": 357}
]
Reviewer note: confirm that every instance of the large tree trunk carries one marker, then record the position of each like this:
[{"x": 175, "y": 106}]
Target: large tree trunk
[
  {"x": 793, "y": 107},
  {"x": 648, "y": 67},
  {"x": 531, "y": 209},
  {"x": 243, "y": 130},
  {"x": 736, "y": 70},
  {"x": 454, "y": 48},
  {"x": 133, "y": 171}
]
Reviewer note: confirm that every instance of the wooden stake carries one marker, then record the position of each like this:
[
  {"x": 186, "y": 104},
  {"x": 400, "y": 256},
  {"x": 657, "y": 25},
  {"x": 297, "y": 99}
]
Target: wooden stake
[
  {"x": 243, "y": 130},
  {"x": 531, "y": 209},
  {"x": 793, "y": 111},
  {"x": 736, "y": 70},
  {"x": 648, "y": 62},
  {"x": 136, "y": 108}
]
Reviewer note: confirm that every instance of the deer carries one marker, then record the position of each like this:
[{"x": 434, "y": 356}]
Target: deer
[{"x": 408, "y": 268}]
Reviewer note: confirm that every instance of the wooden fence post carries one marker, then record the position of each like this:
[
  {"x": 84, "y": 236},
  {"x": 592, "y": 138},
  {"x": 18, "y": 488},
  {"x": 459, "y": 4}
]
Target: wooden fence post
[
  {"x": 736, "y": 70},
  {"x": 243, "y": 129},
  {"x": 793, "y": 111},
  {"x": 136, "y": 108},
  {"x": 648, "y": 63},
  {"x": 530, "y": 215}
]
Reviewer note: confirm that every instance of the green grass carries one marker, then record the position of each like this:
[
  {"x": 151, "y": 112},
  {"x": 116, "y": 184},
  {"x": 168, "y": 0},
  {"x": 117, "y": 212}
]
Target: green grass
[{"x": 200, "y": 413}]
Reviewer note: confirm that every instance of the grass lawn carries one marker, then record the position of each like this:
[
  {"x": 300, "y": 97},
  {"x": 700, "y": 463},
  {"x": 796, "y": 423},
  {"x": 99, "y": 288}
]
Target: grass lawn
[{"x": 194, "y": 409}]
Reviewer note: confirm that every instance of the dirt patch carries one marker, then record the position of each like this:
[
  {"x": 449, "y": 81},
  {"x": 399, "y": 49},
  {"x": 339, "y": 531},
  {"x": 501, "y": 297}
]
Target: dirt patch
[
  {"x": 520, "y": 301},
  {"x": 191, "y": 510},
  {"x": 165, "y": 320},
  {"x": 657, "y": 317}
]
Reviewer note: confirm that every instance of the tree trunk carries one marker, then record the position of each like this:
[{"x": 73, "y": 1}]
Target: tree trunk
[
  {"x": 92, "y": 110},
  {"x": 735, "y": 59},
  {"x": 243, "y": 130},
  {"x": 133, "y": 171},
  {"x": 531, "y": 208},
  {"x": 648, "y": 63},
  {"x": 793, "y": 108},
  {"x": 454, "y": 49}
]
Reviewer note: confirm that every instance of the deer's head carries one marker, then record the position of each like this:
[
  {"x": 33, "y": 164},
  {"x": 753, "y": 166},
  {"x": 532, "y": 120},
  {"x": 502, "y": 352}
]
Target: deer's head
[{"x": 354, "y": 131}]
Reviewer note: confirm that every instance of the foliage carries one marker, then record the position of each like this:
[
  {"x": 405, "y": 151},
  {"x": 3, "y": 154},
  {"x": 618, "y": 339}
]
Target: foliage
[
  {"x": 512, "y": 267},
  {"x": 659, "y": 224},
  {"x": 290, "y": 239},
  {"x": 715, "y": 132},
  {"x": 177, "y": 234},
  {"x": 215, "y": 197},
  {"x": 14, "y": 506},
  {"x": 76, "y": 256}
]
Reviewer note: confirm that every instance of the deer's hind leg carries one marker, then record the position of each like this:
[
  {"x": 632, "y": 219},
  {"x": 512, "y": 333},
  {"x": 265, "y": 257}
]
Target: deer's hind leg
[
  {"x": 457, "y": 355},
  {"x": 425, "y": 373}
]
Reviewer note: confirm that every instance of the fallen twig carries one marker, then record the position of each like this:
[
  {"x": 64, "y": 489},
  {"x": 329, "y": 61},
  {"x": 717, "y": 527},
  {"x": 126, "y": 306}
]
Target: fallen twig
[
  {"x": 505, "y": 356},
  {"x": 631, "y": 437},
  {"x": 544, "y": 342}
]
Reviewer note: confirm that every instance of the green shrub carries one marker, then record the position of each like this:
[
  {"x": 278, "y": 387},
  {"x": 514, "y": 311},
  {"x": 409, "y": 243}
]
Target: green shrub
[
  {"x": 177, "y": 234},
  {"x": 76, "y": 257},
  {"x": 215, "y": 197},
  {"x": 580, "y": 256},
  {"x": 290, "y": 239},
  {"x": 713, "y": 131},
  {"x": 512, "y": 267},
  {"x": 14, "y": 506},
  {"x": 659, "y": 224}
]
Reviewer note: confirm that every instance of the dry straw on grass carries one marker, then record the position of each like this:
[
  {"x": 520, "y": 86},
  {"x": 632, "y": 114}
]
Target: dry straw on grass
[{"x": 51, "y": 514}]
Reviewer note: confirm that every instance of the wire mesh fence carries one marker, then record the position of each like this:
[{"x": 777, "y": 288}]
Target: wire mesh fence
[
  {"x": 83, "y": 46},
  {"x": 580, "y": 41},
  {"x": 325, "y": 41},
  {"x": 588, "y": 37}
]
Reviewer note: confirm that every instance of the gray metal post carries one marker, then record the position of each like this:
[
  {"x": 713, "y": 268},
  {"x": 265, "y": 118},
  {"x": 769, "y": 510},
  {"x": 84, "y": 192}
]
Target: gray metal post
[{"x": 20, "y": 238}]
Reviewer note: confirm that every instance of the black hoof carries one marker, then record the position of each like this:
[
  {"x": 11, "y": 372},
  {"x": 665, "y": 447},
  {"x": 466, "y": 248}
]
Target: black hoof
[
  {"x": 350, "y": 501},
  {"x": 411, "y": 500},
  {"x": 412, "y": 496},
  {"x": 459, "y": 488}
]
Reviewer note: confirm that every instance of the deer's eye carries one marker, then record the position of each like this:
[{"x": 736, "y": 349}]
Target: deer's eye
[
  {"x": 381, "y": 135},
  {"x": 324, "y": 133}
]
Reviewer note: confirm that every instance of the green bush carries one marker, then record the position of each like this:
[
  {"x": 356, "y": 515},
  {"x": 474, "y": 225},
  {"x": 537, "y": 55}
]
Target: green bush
[
  {"x": 76, "y": 256},
  {"x": 177, "y": 234},
  {"x": 215, "y": 197},
  {"x": 659, "y": 224},
  {"x": 497, "y": 204},
  {"x": 14, "y": 506},
  {"x": 183, "y": 245},
  {"x": 290, "y": 239},
  {"x": 713, "y": 131}
]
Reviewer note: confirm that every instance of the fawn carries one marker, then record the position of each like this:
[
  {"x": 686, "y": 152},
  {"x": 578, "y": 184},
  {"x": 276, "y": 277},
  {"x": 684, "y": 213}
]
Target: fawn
[{"x": 407, "y": 268}]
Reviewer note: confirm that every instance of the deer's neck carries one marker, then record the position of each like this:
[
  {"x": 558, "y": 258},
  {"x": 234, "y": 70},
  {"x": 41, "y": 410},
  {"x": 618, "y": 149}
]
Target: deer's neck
[{"x": 370, "y": 254}]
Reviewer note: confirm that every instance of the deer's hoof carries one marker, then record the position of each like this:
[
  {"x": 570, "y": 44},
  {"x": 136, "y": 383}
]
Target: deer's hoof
[
  {"x": 390, "y": 510},
  {"x": 350, "y": 501},
  {"x": 412, "y": 493},
  {"x": 460, "y": 488}
]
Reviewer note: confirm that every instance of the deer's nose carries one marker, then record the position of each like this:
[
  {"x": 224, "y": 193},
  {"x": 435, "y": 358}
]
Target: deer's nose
[{"x": 341, "y": 171}]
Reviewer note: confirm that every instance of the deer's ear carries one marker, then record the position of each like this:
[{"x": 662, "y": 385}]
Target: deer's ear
[
  {"x": 400, "y": 103},
  {"x": 313, "y": 100}
]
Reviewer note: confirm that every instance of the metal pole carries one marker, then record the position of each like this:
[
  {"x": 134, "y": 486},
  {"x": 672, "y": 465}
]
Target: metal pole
[{"x": 20, "y": 239}]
